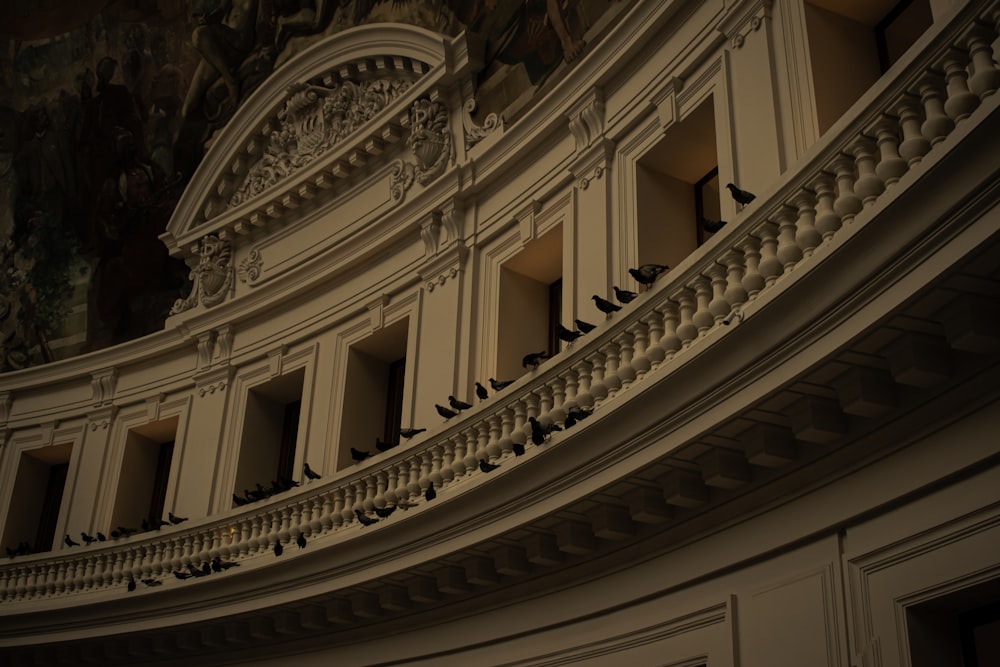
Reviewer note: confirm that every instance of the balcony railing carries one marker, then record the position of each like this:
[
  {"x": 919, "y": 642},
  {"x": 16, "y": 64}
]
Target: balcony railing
[{"x": 912, "y": 113}]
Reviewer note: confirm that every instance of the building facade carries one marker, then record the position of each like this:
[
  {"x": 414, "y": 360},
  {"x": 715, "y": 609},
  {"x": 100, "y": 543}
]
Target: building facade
[{"x": 781, "y": 450}]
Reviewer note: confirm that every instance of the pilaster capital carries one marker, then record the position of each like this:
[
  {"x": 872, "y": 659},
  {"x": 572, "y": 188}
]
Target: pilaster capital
[{"x": 744, "y": 19}]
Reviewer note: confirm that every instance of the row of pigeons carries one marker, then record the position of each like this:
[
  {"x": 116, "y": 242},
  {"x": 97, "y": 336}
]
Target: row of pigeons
[
  {"x": 207, "y": 568},
  {"x": 260, "y": 492},
  {"x": 121, "y": 531}
]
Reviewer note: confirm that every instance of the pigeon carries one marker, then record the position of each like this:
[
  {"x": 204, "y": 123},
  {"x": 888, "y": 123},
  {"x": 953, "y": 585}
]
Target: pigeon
[
  {"x": 131, "y": 585},
  {"x": 742, "y": 197},
  {"x": 364, "y": 519},
  {"x": 410, "y": 432},
  {"x": 359, "y": 455},
  {"x": 457, "y": 404},
  {"x": 533, "y": 359},
  {"x": 101, "y": 537},
  {"x": 70, "y": 543},
  {"x": 585, "y": 327},
  {"x": 309, "y": 471},
  {"x": 202, "y": 571},
  {"x": 145, "y": 525},
  {"x": 565, "y": 334},
  {"x": 182, "y": 575},
  {"x": 152, "y": 582},
  {"x": 383, "y": 446},
  {"x": 486, "y": 466},
  {"x": 624, "y": 295},
  {"x": 219, "y": 565},
  {"x": 301, "y": 541},
  {"x": 89, "y": 539},
  {"x": 648, "y": 273},
  {"x": 604, "y": 305},
  {"x": 517, "y": 448},
  {"x": 540, "y": 431},
  {"x": 238, "y": 501},
  {"x": 176, "y": 519},
  {"x": 444, "y": 412},
  {"x": 430, "y": 494},
  {"x": 500, "y": 384},
  {"x": 481, "y": 392},
  {"x": 278, "y": 549},
  {"x": 574, "y": 415},
  {"x": 383, "y": 512},
  {"x": 712, "y": 226}
]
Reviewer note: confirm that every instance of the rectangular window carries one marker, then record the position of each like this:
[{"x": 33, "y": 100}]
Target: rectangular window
[
  {"x": 374, "y": 391},
  {"x": 144, "y": 474},
  {"x": 36, "y": 499},
  {"x": 270, "y": 433}
]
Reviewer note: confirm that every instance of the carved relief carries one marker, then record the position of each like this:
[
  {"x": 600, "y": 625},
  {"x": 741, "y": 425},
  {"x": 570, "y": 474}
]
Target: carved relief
[
  {"x": 212, "y": 278},
  {"x": 429, "y": 139},
  {"x": 250, "y": 266},
  {"x": 312, "y": 121},
  {"x": 475, "y": 133}
]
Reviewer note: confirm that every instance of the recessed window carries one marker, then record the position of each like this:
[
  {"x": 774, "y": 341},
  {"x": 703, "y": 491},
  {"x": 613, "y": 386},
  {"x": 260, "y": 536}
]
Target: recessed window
[
  {"x": 36, "y": 498},
  {"x": 144, "y": 476},
  {"x": 959, "y": 629},
  {"x": 270, "y": 432},
  {"x": 851, "y": 44},
  {"x": 530, "y": 302},
  {"x": 374, "y": 391},
  {"x": 677, "y": 188}
]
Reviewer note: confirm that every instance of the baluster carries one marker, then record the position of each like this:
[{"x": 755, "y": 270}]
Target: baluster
[
  {"x": 369, "y": 500},
  {"x": 719, "y": 306},
  {"x": 640, "y": 362},
  {"x": 21, "y": 585},
  {"x": 380, "y": 482},
  {"x": 961, "y": 101},
  {"x": 482, "y": 440},
  {"x": 985, "y": 77},
  {"x": 458, "y": 465},
  {"x": 868, "y": 186},
  {"x": 654, "y": 352},
  {"x": 558, "y": 388},
  {"x": 686, "y": 329},
  {"x": 848, "y": 203},
  {"x": 544, "y": 399},
  {"x": 770, "y": 266},
  {"x": 341, "y": 512},
  {"x": 518, "y": 433},
  {"x": 914, "y": 145},
  {"x": 584, "y": 376},
  {"x": 78, "y": 574},
  {"x": 447, "y": 461},
  {"x": 31, "y": 584},
  {"x": 425, "y": 470},
  {"x": 624, "y": 371},
  {"x": 471, "y": 460},
  {"x": 670, "y": 341},
  {"x": 827, "y": 222},
  {"x": 359, "y": 496},
  {"x": 702, "y": 317},
  {"x": 392, "y": 481},
  {"x": 937, "y": 125},
  {"x": 807, "y": 237},
  {"x": 598, "y": 389},
  {"x": 891, "y": 166},
  {"x": 752, "y": 281},
  {"x": 437, "y": 458},
  {"x": 493, "y": 449},
  {"x": 412, "y": 480},
  {"x": 506, "y": 439}
]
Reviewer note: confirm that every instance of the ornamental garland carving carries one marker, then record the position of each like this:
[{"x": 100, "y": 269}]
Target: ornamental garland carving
[
  {"x": 313, "y": 120},
  {"x": 429, "y": 139},
  {"x": 212, "y": 278}
]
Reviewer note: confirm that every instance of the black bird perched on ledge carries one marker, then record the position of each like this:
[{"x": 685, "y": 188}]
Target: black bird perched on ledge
[
  {"x": 383, "y": 512},
  {"x": 219, "y": 565},
  {"x": 481, "y": 392},
  {"x": 69, "y": 542},
  {"x": 500, "y": 384},
  {"x": 565, "y": 334},
  {"x": 574, "y": 415},
  {"x": 430, "y": 494},
  {"x": 359, "y": 455},
  {"x": 648, "y": 273},
  {"x": 410, "y": 432},
  {"x": 131, "y": 585},
  {"x": 152, "y": 582},
  {"x": 585, "y": 327},
  {"x": 182, "y": 575},
  {"x": 101, "y": 537},
  {"x": 278, "y": 549},
  {"x": 444, "y": 412},
  {"x": 624, "y": 295},
  {"x": 712, "y": 226},
  {"x": 89, "y": 539},
  {"x": 239, "y": 502},
  {"x": 176, "y": 519},
  {"x": 517, "y": 448},
  {"x": 605, "y": 306},
  {"x": 742, "y": 197},
  {"x": 486, "y": 466},
  {"x": 309, "y": 472},
  {"x": 457, "y": 404},
  {"x": 364, "y": 519},
  {"x": 301, "y": 541},
  {"x": 533, "y": 359}
]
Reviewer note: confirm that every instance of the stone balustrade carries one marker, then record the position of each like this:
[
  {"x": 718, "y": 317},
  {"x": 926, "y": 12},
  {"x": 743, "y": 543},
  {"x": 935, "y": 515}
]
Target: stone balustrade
[{"x": 850, "y": 171}]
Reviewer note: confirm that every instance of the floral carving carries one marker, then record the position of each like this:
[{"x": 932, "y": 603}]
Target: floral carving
[
  {"x": 250, "y": 266},
  {"x": 312, "y": 121},
  {"x": 212, "y": 278},
  {"x": 429, "y": 139}
]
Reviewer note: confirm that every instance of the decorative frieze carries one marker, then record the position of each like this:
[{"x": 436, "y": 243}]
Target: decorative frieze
[{"x": 213, "y": 276}]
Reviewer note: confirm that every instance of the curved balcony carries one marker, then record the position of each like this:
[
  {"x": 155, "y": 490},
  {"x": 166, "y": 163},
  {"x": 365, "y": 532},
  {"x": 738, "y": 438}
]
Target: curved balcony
[{"x": 731, "y": 383}]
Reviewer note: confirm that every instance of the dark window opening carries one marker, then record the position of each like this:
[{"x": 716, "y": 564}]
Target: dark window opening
[
  {"x": 979, "y": 630},
  {"x": 394, "y": 401},
  {"x": 50, "y": 507},
  {"x": 160, "y": 478},
  {"x": 900, "y": 28},
  {"x": 289, "y": 434},
  {"x": 555, "y": 315},
  {"x": 706, "y": 204}
]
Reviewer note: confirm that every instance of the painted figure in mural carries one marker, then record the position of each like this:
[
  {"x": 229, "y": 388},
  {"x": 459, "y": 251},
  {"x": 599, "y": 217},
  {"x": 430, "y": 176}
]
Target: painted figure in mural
[
  {"x": 228, "y": 33},
  {"x": 44, "y": 165},
  {"x": 300, "y": 17}
]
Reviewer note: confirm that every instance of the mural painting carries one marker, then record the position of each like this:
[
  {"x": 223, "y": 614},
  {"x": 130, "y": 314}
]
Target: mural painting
[{"x": 107, "y": 107}]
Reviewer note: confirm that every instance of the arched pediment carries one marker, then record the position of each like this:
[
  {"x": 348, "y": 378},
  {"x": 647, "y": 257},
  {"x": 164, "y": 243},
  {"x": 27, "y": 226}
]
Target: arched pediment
[{"x": 347, "y": 104}]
